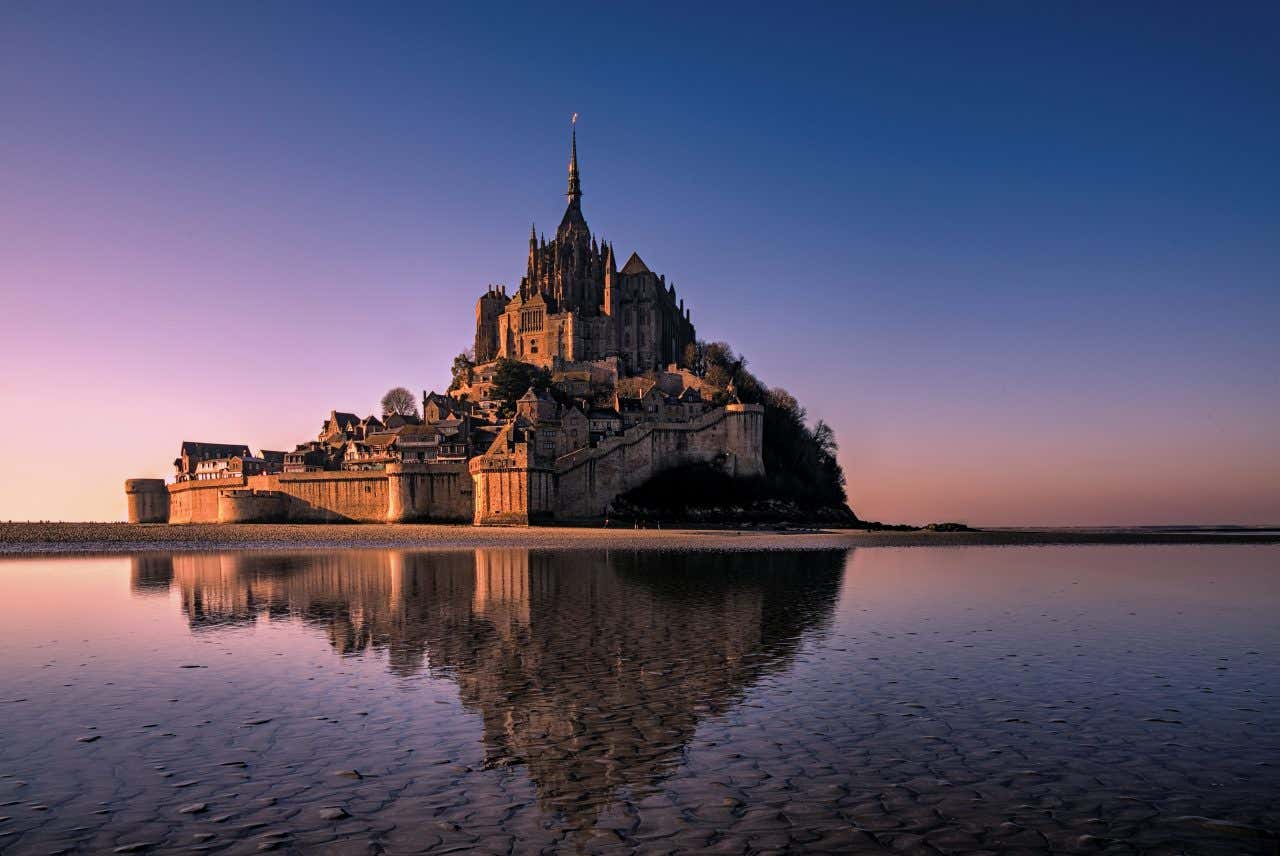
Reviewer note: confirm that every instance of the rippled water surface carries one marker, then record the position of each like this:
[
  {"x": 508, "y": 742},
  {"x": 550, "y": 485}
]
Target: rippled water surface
[{"x": 1100, "y": 699}]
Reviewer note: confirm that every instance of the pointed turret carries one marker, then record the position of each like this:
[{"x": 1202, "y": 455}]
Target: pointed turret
[
  {"x": 610, "y": 298},
  {"x": 531, "y": 269}
]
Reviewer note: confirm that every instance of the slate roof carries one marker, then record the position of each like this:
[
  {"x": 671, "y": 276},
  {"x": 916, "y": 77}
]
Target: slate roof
[
  {"x": 380, "y": 440},
  {"x": 203, "y": 451},
  {"x": 343, "y": 421},
  {"x": 635, "y": 265},
  {"x": 417, "y": 432},
  {"x": 397, "y": 420}
]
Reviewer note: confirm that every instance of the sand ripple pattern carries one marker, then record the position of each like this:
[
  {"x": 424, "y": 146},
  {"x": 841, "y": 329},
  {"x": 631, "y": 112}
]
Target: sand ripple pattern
[{"x": 507, "y": 700}]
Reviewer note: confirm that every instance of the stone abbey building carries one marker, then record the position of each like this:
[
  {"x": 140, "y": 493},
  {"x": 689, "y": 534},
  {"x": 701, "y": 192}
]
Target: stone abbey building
[
  {"x": 575, "y": 305},
  {"x": 623, "y": 405}
]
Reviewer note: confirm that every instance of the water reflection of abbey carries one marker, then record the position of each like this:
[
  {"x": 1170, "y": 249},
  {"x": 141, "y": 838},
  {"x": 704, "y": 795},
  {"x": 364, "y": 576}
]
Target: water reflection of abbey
[{"x": 591, "y": 668}]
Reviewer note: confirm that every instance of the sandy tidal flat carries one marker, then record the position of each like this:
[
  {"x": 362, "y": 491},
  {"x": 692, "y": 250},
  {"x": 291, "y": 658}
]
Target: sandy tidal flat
[
  {"x": 45, "y": 538},
  {"x": 1037, "y": 700}
]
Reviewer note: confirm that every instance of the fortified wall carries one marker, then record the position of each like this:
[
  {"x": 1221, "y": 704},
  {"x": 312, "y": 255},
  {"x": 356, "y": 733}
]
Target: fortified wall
[
  {"x": 401, "y": 493},
  {"x": 511, "y": 488}
]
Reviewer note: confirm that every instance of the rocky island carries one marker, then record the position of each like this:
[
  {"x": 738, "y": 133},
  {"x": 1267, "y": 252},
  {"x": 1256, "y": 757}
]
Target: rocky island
[{"x": 586, "y": 397}]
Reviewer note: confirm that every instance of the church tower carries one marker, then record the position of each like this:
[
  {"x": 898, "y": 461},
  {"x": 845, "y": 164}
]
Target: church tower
[{"x": 579, "y": 302}]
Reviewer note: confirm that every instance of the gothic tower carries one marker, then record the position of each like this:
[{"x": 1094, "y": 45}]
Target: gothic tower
[{"x": 578, "y": 302}]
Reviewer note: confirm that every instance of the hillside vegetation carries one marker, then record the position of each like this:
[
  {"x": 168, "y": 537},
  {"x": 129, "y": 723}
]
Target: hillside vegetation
[{"x": 802, "y": 481}]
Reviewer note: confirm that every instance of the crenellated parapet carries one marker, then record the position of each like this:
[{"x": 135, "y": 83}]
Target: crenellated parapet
[{"x": 489, "y": 308}]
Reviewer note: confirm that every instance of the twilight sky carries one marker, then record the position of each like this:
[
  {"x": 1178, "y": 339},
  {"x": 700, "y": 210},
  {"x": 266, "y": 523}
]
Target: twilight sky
[{"x": 1026, "y": 261}]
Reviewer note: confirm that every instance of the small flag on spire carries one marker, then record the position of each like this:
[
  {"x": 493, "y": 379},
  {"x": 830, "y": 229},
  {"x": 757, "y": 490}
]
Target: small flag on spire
[{"x": 574, "y": 120}]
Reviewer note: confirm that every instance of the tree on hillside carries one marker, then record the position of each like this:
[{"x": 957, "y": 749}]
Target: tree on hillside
[
  {"x": 799, "y": 462},
  {"x": 693, "y": 358},
  {"x": 399, "y": 401},
  {"x": 462, "y": 366},
  {"x": 512, "y": 379},
  {"x": 726, "y": 373},
  {"x": 833, "y": 475}
]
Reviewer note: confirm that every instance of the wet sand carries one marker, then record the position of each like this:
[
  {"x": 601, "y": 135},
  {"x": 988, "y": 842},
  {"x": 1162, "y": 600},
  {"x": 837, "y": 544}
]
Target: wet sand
[
  {"x": 109, "y": 538},
  {"x": 1119, "y": 700}
]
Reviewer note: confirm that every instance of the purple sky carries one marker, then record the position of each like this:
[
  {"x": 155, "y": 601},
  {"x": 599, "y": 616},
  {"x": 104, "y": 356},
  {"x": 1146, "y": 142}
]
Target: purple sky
[{"x": 1025, "y": 261}]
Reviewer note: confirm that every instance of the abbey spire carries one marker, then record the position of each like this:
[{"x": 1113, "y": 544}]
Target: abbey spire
[
  {"x": 580, "y": 302},
  {"x": 573, "y": 226},
  {"x": 575, "y": 185}
]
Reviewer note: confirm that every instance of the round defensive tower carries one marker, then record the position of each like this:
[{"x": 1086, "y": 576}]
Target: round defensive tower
[
  {"x": 744, "y": 438},
  {"x": 148, "y": 500},
  {"x": 400, "y": 494}
]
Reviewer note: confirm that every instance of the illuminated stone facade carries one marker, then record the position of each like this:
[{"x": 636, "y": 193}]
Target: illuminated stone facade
[{"x": 575, "y": 304}]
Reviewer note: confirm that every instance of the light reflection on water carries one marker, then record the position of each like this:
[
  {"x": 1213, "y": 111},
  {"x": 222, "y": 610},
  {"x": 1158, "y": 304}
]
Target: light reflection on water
[{"x": 953, "y": 700}]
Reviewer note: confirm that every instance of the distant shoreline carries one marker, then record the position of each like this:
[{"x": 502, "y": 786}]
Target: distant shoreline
[{"x": 28, "y": 539}]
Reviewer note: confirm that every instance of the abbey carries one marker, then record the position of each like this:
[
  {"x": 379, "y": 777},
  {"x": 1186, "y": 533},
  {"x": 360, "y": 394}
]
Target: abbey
[
  {"x": 575, "y": 305},
  {"x": 606, "y": 360}
]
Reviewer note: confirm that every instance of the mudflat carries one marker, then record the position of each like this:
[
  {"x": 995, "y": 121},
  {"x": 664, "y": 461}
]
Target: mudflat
[
  {"x": 1038, "y": 700},
  {"x": 100, "y": 538}
]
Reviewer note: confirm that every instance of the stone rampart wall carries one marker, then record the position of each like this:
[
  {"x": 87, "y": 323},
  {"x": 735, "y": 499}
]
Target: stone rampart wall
[
  {"x": 588, "y": 480},
  {"x": 429, "y": 492},
  {"x": 439, "y": 492},
  {"x": 329, "y": 497},
  {"x": 197, "y": 501},
  {"x": 245, "y": 505},
  {"x": 493, "y": 489}
]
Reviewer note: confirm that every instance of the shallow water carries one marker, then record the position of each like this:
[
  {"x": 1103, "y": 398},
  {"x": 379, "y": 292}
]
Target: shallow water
[{"x": 1046, "y": 699}]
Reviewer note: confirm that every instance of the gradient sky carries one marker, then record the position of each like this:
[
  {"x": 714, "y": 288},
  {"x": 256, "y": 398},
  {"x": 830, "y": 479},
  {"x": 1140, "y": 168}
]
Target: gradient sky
[{"x": 1025, "y": 259}]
